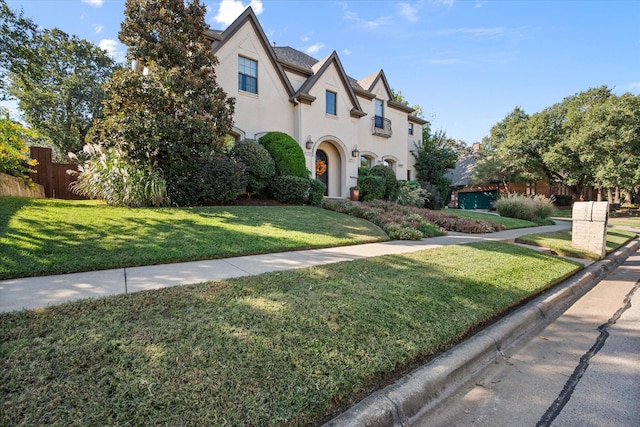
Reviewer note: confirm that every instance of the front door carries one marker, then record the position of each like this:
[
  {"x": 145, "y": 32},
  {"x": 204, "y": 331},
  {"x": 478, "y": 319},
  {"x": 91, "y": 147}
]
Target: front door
[{"x": 322, "y": 169}]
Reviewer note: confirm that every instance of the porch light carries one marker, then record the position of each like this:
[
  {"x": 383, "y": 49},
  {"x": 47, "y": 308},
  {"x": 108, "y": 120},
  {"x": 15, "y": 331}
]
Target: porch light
[
  {"x": 355, "y": 153},
  {"x": 309, "y": 143}
]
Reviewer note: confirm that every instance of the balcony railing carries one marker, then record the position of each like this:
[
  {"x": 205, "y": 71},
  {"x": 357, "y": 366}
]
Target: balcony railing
[{"x": 381, "y": 126}]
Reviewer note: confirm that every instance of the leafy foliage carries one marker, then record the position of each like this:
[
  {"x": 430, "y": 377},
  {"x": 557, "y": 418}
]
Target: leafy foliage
[
  {"x": 290, "y": 189},
  {"x": 316, "y": 192},
  {"x": 286, "y": 153},
  {"x": 16, "y": 53},
  {"x": 217, "y": 179},
  {"x": 58, "y": 79},
  {"x": 371, "y": 186},
  {"x": 434, "y": 157},
  {"x": 14, "y": 154},
  {"x": 172, "y": 117},
  {"x": 389, "y": 176},
  {"x": 260, "y": 167},
  {"x": 589, "y": 139},
  {"x": 107, "y": 175},
  {"x": 410, "y": 193},
  {"x": 534, "y": 208}
]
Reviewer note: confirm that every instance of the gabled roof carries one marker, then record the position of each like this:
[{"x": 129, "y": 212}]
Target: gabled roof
[
  {"x": 248, "y": 16},
  {"x": 319, "y": 69},
  {"x": 461, "y": 175}
]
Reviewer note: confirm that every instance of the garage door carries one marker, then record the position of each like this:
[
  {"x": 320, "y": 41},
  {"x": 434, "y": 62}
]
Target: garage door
[{"x": 476, "y": 199}]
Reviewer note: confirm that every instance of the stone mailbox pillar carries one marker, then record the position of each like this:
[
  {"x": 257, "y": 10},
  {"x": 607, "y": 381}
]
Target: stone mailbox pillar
[{"x": 590, "y": 226}]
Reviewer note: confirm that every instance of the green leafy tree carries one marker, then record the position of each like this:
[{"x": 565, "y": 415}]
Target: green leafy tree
[
  {"x": 16, "y": 53},
  {"x": 172, "y": 116},
  {"x": 61, "y": 92},
  {"x": 14, "y": 153},
  {"x": 398, "y": 97},
  {"x": 434, "y": 157}
]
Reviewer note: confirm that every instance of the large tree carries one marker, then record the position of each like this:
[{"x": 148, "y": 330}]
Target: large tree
[
  {"x": 588, "y": 139},
  {"x": 61, "y": 92},
  {"x": 56, "y": 78},
  {"x": 16, "y": 34},
  {"x": 172, "y": 116}
]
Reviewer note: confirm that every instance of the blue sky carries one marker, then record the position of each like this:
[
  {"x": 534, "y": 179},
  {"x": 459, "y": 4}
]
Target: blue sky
[{"x": 468, "y": 63}]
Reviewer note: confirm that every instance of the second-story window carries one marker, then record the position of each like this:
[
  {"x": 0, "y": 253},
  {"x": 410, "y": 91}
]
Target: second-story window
[
  {"x": 247, "y": 75},
  {"x": 379, "y": 114},
  {"x": 331, "y": 103},
  {"x": 410, "y": 128}
]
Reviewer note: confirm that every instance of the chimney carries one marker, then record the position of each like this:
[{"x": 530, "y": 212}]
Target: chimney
[{"x": 475, "y": 147}]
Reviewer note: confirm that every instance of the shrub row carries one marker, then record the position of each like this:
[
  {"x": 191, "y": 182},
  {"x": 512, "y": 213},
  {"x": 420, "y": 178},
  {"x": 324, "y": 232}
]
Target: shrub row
[{"x": 409, "y": 222}]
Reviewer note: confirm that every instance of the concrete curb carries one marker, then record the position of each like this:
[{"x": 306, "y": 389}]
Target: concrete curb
[{"x": 422, "y": 390}]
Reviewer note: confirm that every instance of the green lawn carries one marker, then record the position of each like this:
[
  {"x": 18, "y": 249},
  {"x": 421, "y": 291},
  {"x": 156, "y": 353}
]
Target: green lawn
[
  {"x": 286, "y": 348},
  {"x": 630, "y": 221},
  {"x": 46, "y": 236},
  {"x": 560, "y": 242},
  {"x": 509, "y": 223}
]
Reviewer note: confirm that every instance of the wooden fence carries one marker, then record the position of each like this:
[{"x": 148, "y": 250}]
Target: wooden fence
[{"x": 53, "y": 176}]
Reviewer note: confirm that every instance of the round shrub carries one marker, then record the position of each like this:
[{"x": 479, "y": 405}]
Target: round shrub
[
  {"x": 316, "y": 192},
  {"x": 217, "y": 179},
  {"x": 389, "y": 176},
  {"x": 259, "y": 165},
  {"x": 371, "y": 187},
  {"x": 286, "y": 153},
  {"x": 290, "y": 189}
]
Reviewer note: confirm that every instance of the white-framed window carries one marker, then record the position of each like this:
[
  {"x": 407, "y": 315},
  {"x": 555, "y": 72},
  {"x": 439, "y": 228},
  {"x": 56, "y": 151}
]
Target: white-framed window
[
  {"x": 332, "y": 103},
  {"x": 410, "y": 128},
  {"x": 366, "y": 161},
  {"x": 247, "y": 75}
]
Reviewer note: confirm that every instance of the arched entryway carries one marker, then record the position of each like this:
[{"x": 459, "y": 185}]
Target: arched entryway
[
  {"x": 322, "y": 169},
  {"x": 333, "y": 177}
]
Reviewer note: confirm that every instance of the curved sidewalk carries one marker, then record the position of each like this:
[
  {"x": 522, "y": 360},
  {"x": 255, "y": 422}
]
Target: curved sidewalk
[{"x": 38, "y": 292}]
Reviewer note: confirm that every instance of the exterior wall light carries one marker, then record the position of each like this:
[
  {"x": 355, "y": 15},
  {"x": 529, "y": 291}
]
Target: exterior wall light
[
  {"x": 355, "y": 153},
  {"x": 309, "y": 143}
]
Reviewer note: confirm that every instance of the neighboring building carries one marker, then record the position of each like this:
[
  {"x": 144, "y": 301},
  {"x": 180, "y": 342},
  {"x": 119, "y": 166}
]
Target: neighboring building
[
  {"x": 466, "y": 196},
  {"x": 335, "y": 118}
]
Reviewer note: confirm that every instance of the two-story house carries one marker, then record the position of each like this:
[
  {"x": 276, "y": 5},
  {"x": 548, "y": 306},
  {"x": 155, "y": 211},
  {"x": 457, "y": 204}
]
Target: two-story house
[{"x": 335, "y": 118}]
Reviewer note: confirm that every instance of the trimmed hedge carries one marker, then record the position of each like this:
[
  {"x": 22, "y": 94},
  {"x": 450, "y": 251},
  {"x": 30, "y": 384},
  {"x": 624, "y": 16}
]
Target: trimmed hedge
[
  {"x": 316, "y": 192},
  {"x": 286, "y": 153},
  {"x": 390, "y": 180}
]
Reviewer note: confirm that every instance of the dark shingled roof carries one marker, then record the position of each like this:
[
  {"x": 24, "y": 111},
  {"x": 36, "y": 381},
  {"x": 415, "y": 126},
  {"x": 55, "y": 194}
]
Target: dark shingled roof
[
  {"x": 461, "y": 175},
  {"x": 295, "y": 57}
]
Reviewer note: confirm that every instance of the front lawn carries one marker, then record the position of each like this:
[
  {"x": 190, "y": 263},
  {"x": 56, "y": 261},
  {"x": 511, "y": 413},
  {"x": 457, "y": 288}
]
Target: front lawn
[
  {"x": 47, "y": 236},
  {"x": 560, "y": 242},
  {"x": 285, "y": 348},
  {"x": 509, "y": 223}
]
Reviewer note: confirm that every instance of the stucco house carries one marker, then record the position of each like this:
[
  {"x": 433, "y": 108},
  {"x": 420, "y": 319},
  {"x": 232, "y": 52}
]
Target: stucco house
[{"x": 334, "y": 117}]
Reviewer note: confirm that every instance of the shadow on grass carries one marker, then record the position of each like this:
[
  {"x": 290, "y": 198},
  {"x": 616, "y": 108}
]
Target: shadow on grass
[
  {"x": 63, "y": 237},
  {"x": 292, "y": 347}
]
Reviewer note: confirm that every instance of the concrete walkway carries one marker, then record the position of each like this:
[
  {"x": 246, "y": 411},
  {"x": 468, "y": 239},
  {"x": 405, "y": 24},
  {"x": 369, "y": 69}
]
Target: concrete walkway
[{"x": 37, "y": 292}]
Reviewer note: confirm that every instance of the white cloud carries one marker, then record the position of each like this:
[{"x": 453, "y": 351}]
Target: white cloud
[
  {"x": 98, "y": 28},
  {"x": 113, "y": 48},
  {"x": 408, "y": 12},
  {"x": 229, "y": 10},
  {"x": 367, "y": 24},
  {"x": 633, "y": 87},
  {"x": 94, "y": 3},
  {"x": 347, "y": 51},
  {"x": 305, "y": 38},
  {"x": 313, "y": 49},
  {"x": 474, "y": 32}
]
